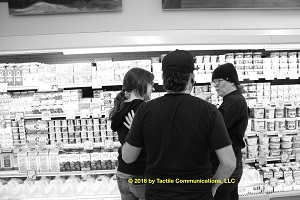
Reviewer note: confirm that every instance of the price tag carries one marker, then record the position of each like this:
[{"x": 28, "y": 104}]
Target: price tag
[
  {"x": 96, "y": 113},
  {"x": 297, "y": 157},
  {"x": 96, "y": 83},
  {"x": 88, "y": 145},
  {"x": 31, "y": 174},
  {"x": 19, "y": 116},
  {"x": 84, "y": 113},
  {"x": 262, "y": 159},
  {"x": 279, "y": 103},
  {"x": 285, "y": 157},
  {"x": 46, "y": 115},
  {"x": 70, "y": 114},
  {"x": 273, "y": 181},
  {"x": 3, "y": 87},
  {"x": 53, "y": 87}
]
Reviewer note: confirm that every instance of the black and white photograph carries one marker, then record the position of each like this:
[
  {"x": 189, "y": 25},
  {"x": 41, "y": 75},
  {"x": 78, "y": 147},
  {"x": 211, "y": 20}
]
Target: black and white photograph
[{"x": 38, "y": 7}]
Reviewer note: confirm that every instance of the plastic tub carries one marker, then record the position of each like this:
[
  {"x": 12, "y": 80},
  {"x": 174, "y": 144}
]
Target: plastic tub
[
  {"x": 279, "y": 112},
  {"x": 252, "y": 148},
  {"x": 252, "y": 155},
  {"x": 291, "y": 111},
  {"x": 252, "y": 141},
  {"x": 295, "y": 145},
  {"x": 288, "y": 151},
  {"x": 258, "y": 124},
  {"x": 275, "y": 152},
  {"x": 274, "y": 146},
  {"x": 263, "y": 147},
  {"x": 263, "y": 140},
  {"x": 270, "y": 124},
  {"x": 287, "y": 138},
  {"x": 290, "y": 123},
  {"x": 259, "y": 112},
  {"x": 275, "y": 139},
  {"x": 286, "y": 145},
  {"x": 270, "y": 112}
]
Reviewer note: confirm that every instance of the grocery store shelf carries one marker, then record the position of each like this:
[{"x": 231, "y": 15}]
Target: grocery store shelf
[
  {"x": 285, "y": 194},
  {"x": 255, "y": 197},
  {"x": 75, "y": 85},
  {"x": 275, "y": 158},
  {"x": 16, "y": 173},
  {"x": 14, "y": 88},
  {"x": 270, "y": 133}
]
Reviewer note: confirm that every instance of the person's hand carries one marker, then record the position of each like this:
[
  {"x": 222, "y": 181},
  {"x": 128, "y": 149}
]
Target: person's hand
[
  {"x": 129, "y": 119},
  {"x": 204, "y": 95}
]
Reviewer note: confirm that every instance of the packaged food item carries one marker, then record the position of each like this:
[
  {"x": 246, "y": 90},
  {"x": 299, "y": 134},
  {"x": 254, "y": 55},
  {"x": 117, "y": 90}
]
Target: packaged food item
[
  {"x": 43, "y": 161},
  {"x": 258, "y": 124},
  {"x": 259, "y": 112},
  {"x": 252, "y": 148},
  {"x": 279, "y": 112},
  {"x": 270, "y": 124},
  {"x": 32, "y": 161},
  {"x": 269, "y": 112},
  {"x": 279, "y": 124},
  {"x": 275, "y": 139},
  {"x": 275, "y": 152},
  {"x": 290, "y": 111},
  {"x": 290, "y": 123},
  {"x": 85, "y": 161},
  {"x": 274, "y": 146},
  {"x": 264, "y": 140},
  {"x": 251, "y": 140},
  {"x": 287, "y": 138},
  {"x": 22, "y": 161},
  {"x": 263, "y": 147},
  {"x": 64, "y": 162},
  {"x": 74, "y": 161},
  {"x": 96, "y": 160},
  {"x": 286, "y": 145}
]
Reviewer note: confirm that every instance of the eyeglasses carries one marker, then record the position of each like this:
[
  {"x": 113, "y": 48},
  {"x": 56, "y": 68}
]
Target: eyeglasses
[
  {"x": 217, "y": 82},
  {"x": 152, "y": 83}
]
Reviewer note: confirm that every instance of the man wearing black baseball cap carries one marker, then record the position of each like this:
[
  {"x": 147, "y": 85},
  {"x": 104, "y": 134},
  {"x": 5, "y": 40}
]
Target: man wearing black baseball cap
[
  {"x": 235, "y": 114},
  {"x": 178, "y": 131}
]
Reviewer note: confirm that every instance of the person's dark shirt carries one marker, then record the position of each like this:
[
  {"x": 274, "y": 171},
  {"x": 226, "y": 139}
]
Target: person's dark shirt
[{"x": 138, "y": 167}]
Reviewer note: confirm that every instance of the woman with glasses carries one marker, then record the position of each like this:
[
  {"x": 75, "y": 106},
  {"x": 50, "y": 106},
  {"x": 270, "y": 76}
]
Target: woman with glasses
[
  {"x": 137, "y": 88},
  {"x": 235, "y": 114}
]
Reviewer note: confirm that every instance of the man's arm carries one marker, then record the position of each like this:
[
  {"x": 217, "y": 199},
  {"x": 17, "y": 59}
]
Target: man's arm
[
  {"x": 130, "y": 153},
  {"x": 226, "y": 167}
]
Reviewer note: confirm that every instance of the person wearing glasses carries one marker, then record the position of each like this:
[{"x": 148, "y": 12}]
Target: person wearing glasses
[
  {"x": 178, "y": 131},
  {"x": 137, "y": 88},
  {"x": 234, "y": 110}
]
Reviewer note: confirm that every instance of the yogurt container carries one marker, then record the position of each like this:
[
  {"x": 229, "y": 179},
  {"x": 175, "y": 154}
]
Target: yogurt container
[
  {"x": 275, "y": 152},
  {"x": 269, "y": 112},
  {"x": 275, "y": 139},
  {"x": 295, "y": 151},
  {"x": 252, "y": 148},
  {"x": 263, "y": 140},
  {"x": 290, "y": 123},
  {"x": 279, "y": 112},
  {"x": 251, "y": 141},
  {"x": 288, "y": 151},
  {"x": 287, "y": 138},
  {"x": 295, "y": 145},
  {"x": 286, "y": 145},
  {"x": 297, "y": 111},
  {"x": 274, "y": 146},
  {"x": 259, "y": 112},
  {"x": 290, "y": 111},
  {"x": 252, "y": 155},
  {"x": 263, "y": 147},
  {"x": 258, "y": 124},
  {"x": 270, "y": 124},
  {"x": 279, "y": 124}
]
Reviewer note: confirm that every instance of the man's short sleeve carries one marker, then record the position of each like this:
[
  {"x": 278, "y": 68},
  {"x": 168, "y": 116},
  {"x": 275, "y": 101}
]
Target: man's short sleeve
[
  {"x": 219, "y": 137},
  {"x": 135, "y": 135}
]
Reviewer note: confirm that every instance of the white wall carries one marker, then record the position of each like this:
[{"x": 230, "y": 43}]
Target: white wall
[{"x": 64, "y": 31}]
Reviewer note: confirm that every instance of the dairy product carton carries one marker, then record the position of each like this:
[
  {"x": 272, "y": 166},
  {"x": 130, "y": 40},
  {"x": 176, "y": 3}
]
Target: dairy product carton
[
  {"x": 85, "y": 161},
  {"x": 44, "y": 161},
  {"x": 2, "y": 74},
  {"x": 18, "y": 77},
  {"x": 33, "y": 161},
  {"x": 10, "y": 77},
  {"x": 54, "y": 160}
]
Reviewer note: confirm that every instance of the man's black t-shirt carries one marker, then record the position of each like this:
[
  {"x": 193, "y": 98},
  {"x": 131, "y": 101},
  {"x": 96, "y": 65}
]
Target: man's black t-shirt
[{"x": 177, "y": 132}]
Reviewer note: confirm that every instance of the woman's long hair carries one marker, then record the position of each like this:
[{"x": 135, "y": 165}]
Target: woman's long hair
[{"x": 135, "y": 79}]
